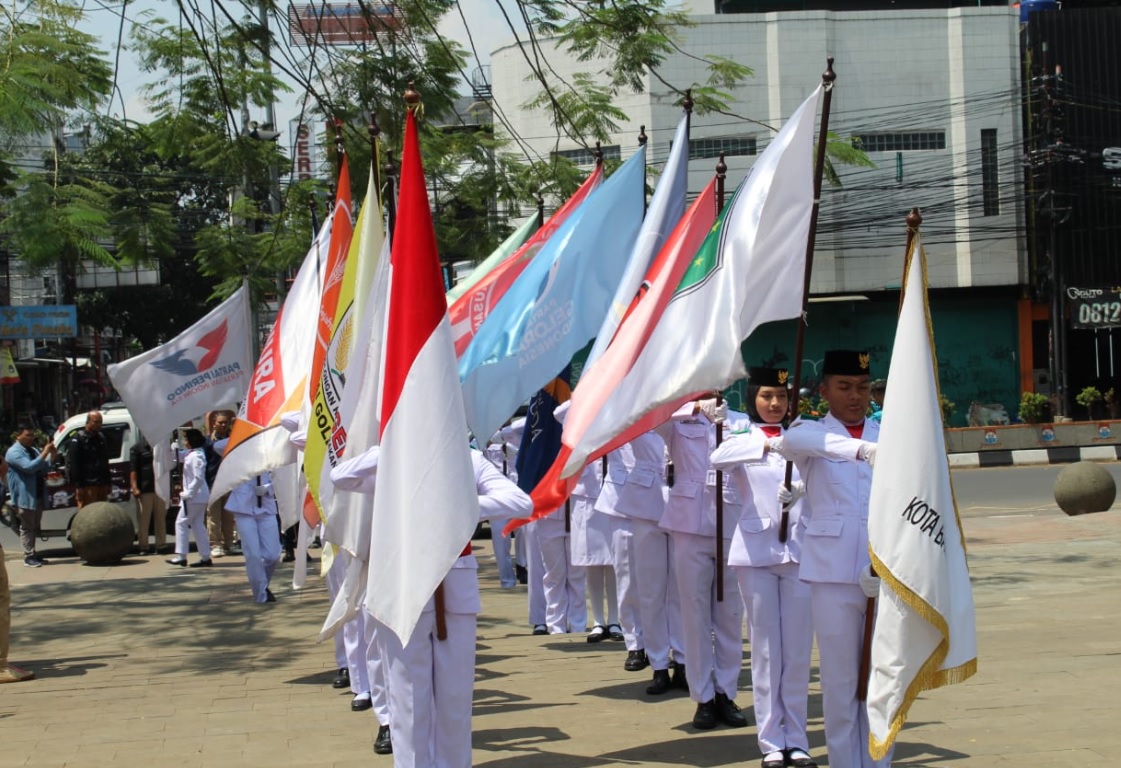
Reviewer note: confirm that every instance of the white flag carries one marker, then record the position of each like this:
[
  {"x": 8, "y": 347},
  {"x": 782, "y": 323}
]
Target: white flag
[
  {"x": 202, "y": 369},
  {"x": 925, "y": 635}
]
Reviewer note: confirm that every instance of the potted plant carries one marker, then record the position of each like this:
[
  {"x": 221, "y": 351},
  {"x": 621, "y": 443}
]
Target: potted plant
[
  {"x": 947, "y": 405},
  {"x": 1090, "y": 398},
  {"x": 1034, "y": 408}
]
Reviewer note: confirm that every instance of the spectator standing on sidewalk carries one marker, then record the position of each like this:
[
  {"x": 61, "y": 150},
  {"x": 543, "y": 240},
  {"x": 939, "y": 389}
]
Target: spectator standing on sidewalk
[
  {"x": 219, "y": 520},
  {"x": 150, "y": 508},
  {"x": 87, "y": 462},
  {"x": 27, "y": 483},
  {"x": 8, "y": 673}
]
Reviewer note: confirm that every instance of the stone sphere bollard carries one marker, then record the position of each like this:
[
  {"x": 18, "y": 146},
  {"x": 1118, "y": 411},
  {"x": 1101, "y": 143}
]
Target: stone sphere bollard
[
  {"x": 1084, "y": 487},
  {"x": 102, "y": 533}
]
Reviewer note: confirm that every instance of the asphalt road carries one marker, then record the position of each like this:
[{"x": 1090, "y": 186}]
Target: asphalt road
[{"x": 996, "y": 492}]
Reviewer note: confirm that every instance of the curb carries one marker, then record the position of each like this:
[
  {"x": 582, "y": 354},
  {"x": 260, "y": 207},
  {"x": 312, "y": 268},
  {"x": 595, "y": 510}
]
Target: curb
[{"x": 1062, "y": 455}]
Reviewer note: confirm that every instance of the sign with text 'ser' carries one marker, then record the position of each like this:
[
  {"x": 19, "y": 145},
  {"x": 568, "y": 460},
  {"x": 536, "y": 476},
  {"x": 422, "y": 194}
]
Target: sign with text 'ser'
[{"x": 40, "y": 321}]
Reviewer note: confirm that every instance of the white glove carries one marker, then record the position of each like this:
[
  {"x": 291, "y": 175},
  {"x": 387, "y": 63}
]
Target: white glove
[
  {"x": 716, "y": 412},
  {"x": 867, "y": 453},
  {"x": 869, "y": 582},
  {"x": 787, "y": 496},
  {"x": 775, "y": 445}
]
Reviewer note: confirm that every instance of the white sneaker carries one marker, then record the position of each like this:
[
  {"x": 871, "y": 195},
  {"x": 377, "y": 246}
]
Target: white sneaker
[{"x": 217, "y": 552}]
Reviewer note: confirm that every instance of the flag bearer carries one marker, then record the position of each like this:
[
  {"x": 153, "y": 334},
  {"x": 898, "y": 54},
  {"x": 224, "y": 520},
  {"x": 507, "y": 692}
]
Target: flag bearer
[
  {"x": 713, "y": 634},
  {"x": 775, "y": 600},
  {"x": 431, "y": 680},
  {"x": 834, "y": 457}
]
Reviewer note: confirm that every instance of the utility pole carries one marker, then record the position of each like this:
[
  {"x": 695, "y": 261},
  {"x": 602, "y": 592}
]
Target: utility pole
[{"x": 1050, "y": 152}]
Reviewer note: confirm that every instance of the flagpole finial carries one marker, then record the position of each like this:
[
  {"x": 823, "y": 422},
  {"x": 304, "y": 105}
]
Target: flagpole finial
[
  {"x": 373, "y": 128},
  {"x": 598, "y": 154},
  {"x": 828, "y": 77},
  {"x": 721, "y": 173},
  {"x": 914, "y": 220},
  {"x": 339, "y": 148},
  {"x": 687, "y": 103},
  {"x": 412, "y": 98},
  {"x": 642, "y": 137}
]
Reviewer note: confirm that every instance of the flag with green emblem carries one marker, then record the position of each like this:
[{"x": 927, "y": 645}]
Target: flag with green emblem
[{"x": 748, "y": 270}]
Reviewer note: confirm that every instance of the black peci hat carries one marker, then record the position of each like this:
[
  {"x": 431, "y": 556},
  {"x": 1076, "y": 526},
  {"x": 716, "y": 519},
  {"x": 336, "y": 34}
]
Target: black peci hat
[
  {"x": 768, "y": 377},
  {"x": 846, "y": 362}
]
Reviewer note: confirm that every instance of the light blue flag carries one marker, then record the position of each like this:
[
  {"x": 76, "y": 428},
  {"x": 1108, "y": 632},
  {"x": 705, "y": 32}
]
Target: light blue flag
[
  {"x": 666, "y": 209},
  {"x": 557, "y": 304}
]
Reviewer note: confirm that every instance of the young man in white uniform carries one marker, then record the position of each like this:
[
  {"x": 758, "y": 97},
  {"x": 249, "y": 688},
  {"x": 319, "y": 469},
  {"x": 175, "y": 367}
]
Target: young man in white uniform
[
  {"x": 834, "y": 457},
  {"x": 255, "y": 514},
  {"x": 431, "y": 680},
  {"x": 713, "y": 630}
]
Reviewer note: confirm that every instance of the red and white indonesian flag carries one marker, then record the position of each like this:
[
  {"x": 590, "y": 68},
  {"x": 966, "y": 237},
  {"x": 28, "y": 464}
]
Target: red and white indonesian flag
[
  {"x": 279, "y": 383},
  {"x": 202, "y": 369},
  {"x": 425, "y": 504},
  {"x": 925, "y": 633}
]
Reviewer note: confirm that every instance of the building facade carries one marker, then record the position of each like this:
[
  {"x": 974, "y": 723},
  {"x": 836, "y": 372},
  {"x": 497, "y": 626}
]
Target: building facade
[{"x": 933, "y": 95}]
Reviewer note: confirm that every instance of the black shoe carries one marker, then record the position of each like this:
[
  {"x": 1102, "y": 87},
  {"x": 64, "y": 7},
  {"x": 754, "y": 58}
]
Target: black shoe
[
  {"x": 202, "y": 563},
  {"x": 522, "y": 574},
  {"x": 728, "y": 713},
  {"x": 636, "y": 661},
  {"x": 661, "y": 683},
  {"x": 803, "y": 760},
  {"x": 779, "y": 761},
  {"x": 704, "y": 718},
  {"x": 179, "y": 561},
  {"x": 342, "y": 679},
  {"x": 383, "y": 745},
  {"x": 269, "y": 596},
  {"x": 679, "y": 680},
  {"x": 598, "y": 633},
  {"x": 540, "y": 629},
  {"x": 289, "y": 557},
  {"x": 361, "y": 704},
  {"x": 32, "y": 562},
  {"x": 615, "y": 632}
]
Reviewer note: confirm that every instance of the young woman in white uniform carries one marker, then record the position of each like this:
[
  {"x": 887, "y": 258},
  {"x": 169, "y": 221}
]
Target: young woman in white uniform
[{"x": 775, "y": 600}]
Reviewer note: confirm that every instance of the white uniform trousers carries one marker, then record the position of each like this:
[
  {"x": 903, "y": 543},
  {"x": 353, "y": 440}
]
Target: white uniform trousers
[
  {"x": 535, "y": 574},
  {"x": 777, "y": 605},
  {"x": 334, "y": 581},
  {"x": 260, "y": 543},
  {"x": 713, "y": 631},
  {"x": 626, "y": 588},
  {"x": 192, "y": 519},
  {"x": 656, "y": 587},
  {"x": 375, "y": 671},
  {"x": 566, "y": 606},
  {"x": 430, "y": 689},
  {"x": 502, "y": 559},
  {"x": 519, "y": 546},
  {"x": 838, "y": 618},
  {"x": 353, "y": 635}
]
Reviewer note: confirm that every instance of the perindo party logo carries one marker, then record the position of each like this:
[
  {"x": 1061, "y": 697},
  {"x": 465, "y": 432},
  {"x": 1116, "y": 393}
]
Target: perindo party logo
[{"x": 199, "y": 362}]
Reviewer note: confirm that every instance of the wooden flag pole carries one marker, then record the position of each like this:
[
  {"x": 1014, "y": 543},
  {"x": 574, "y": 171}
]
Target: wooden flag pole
[
  {"x": 914, "y": 220},
  {"x": 828, "y": 78},
  {"x": 721, "y": 173}
]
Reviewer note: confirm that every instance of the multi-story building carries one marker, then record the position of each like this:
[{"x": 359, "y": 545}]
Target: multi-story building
[{"x": 933, "y": 95}]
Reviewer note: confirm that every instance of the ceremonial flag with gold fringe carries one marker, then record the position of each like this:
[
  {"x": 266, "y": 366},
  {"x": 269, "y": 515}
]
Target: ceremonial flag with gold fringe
[{"x": 925, "y": 634}]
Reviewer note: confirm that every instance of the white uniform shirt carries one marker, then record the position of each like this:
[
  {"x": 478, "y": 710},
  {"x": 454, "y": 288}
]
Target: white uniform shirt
[
  {"x": 838, "y": 486},
  {"x": 758, "y": 475},
  {"x": 253, "y": 497},
  {"x": 691, "y": 507},
  {"x": 635, "y": 485},
  {"x": 195, "y": 489}
]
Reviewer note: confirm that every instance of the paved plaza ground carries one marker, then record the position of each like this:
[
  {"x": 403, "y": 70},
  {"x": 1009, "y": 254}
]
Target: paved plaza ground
[{"x": 143, "y": 664}]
